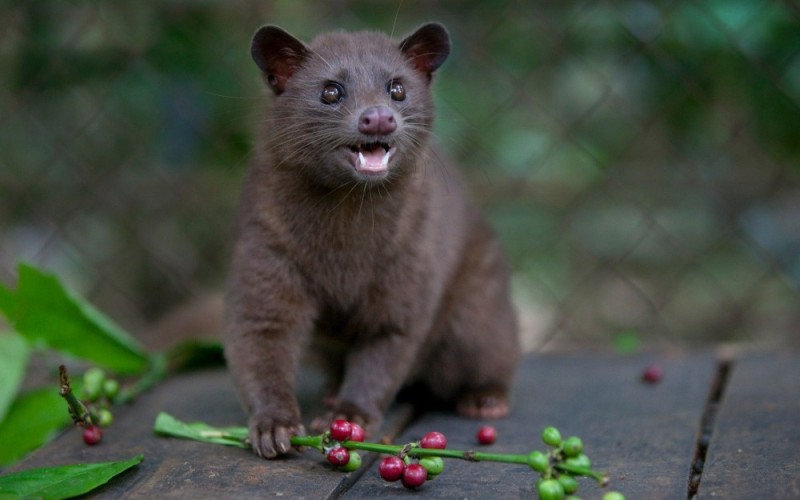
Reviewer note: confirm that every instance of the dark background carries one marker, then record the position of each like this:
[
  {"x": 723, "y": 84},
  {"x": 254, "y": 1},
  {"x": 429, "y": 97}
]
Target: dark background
[{"x": 641, "y": 160}]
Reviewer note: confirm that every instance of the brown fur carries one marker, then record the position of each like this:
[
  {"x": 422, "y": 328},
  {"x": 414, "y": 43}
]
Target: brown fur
[{"x": 395, "y": 274}]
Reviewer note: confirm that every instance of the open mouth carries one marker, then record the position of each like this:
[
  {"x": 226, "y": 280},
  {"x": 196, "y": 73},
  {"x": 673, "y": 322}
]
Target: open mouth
[{"x": 371, "y": 158}]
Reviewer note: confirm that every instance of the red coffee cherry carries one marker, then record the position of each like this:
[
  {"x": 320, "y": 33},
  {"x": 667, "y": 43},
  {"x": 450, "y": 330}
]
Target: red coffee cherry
[
  {"x": 652, "y": 374},
  {"x": 92, "y": 435},
  {"x": 391, "y": 468},
  {"x": 341, "y": 430},
  {"x": 487, "y": 434},
  {"x": 434, "y": 440},
  {"x": 356, "y": 432},
  {"x": 338, "y": 456},
  {"x": 414, "y": 476}
]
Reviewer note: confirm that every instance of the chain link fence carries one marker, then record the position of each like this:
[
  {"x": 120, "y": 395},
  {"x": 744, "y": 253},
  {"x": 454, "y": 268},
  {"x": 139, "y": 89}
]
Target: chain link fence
[{"x": 641, "y": 160}]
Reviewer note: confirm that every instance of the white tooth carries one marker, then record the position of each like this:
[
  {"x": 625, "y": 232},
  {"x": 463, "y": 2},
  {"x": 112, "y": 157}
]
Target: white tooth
[
  {"x": 385, "y": 159},
  {"x": 361, "y": 161}
]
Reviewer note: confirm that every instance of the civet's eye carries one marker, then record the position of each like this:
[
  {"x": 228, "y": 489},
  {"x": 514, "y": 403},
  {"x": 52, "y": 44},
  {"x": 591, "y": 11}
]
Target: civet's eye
[
  {"x": 396, "y": 90},
  {"x": 332, "y": 93}
]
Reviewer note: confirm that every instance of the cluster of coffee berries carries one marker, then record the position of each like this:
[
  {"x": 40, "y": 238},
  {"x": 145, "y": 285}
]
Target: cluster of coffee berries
[
  {"x": 417, "y": 462},
  {"x": 560, "y": 466},
  {"x": 98, "y": 391},
  {"x": 341, "y": 430},
  {"x": 411, "y": 473}
]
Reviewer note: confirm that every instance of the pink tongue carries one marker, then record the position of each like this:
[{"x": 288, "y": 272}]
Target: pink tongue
[{"x": 372, "y": 161}]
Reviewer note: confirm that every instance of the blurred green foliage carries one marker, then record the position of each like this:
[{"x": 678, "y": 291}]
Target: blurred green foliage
[{"x": 638, "y": 158}]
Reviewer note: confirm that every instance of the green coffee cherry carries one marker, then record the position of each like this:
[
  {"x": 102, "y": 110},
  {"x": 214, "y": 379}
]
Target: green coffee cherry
[
  {"x": 580, "y": 461},
  {"x": 94, "y": 376},
  {"x": 613, "y": 495},
  {"x": 550, "y": 489},
  {"x": 91, "y": 392},
  {"x": 92, "y": 383},
  {"x": 110, "y": 388},
  {"x": 538, "y": 461},
  {"x": 569, "y": 483},
  {"x": 573, "y": 446},
  {"x": 104, "y": 417},
  {"x": 434, "y": 466},
  {"x": 353, "y": 463},
  {"x": 551, "y": 436}
]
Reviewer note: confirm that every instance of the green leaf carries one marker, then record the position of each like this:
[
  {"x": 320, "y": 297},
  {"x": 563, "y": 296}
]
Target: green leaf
[
  {"x": 52, "y": 483},
  {"x": 14, "y": 354},
  {"x": 232, "y": 436},
  {"x": 32, "y": 420},
  {"x": 6, "y": 299},
  {"x": 43, "y": 311}
]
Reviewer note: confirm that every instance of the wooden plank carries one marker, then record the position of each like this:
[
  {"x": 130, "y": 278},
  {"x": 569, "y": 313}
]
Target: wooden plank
[
  {"x": 175, "y": 468},
  {"x": 755, "y": 444},
  {"x": 642, "y": 435}
]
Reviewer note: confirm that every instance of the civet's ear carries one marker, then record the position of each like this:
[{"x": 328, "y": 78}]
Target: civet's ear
[
  {"x": 278, "y": 54},
  {"x": 427, "y": 48}
]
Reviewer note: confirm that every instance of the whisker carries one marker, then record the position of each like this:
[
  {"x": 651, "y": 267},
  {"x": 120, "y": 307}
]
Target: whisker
[{"x": 396, "y": 15}]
